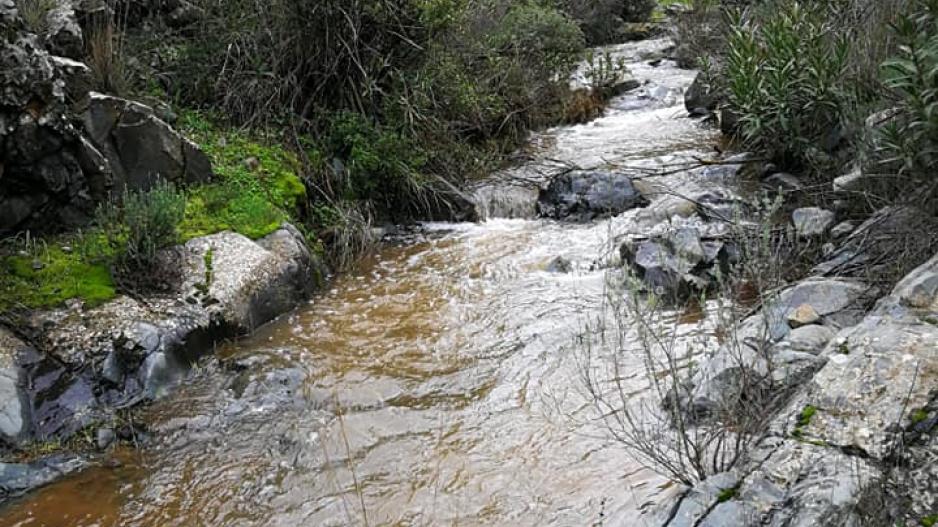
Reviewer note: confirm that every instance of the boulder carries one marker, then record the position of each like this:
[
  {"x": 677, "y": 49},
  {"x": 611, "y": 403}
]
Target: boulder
[
  {"x": 142, "y": 149},
  {"x": 679, "y": 264},
  {"x": 14, "y": 403},
  {"x": 812, "y": 222},
  {"x": 699, "y": 98},
  {"x": 17, "y": 479},
  {"x": 586, "y": 195},
  {"x": 123, "y": 352}
]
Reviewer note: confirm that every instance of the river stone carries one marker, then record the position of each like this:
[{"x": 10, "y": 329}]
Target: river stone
[
  {"x": 586, "y": 195},
  {"x": 803, "y": 315},
  {"x": 699, "y": 98},
  {"x": 812, "y": 222},
  {"x": 850, "y": 182},
  {"x": 782, "y": 182},
  {"x": 17, "y": 479},
  {"x": 14, "y": 416},
  {"x": 810, "y": 339}
]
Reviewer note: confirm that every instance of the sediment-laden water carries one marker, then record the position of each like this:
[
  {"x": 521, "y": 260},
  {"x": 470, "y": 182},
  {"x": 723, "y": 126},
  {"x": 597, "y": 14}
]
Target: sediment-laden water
[{"x": 438, "y": 384}]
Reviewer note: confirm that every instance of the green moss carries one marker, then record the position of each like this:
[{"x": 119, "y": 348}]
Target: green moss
[
  {"x": 727, "y": 494},
  {"x": 258, "y": 186},
  {"x": 929, "y": 521},
  {"x": 49, "y": 276},
  {"x": 804, "y": 419},
  {"x": 918, "y": 416}
]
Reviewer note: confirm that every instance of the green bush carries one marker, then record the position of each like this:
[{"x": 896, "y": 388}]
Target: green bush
[
  {"x": 786, "y": 77},
  {"x": 142, "y": 223},
  {"x": 908, "y": 147},
  {"x": 602, "y": 20}
]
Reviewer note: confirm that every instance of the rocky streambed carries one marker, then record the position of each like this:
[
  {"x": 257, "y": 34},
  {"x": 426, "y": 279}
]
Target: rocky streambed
[{"x": 442, "y": 382}]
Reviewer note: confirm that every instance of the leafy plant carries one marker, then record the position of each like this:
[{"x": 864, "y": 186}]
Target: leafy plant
[
  {"x": 786, "y": 79},
  {"x": 142, "y": 223},
  {"x": 909, "y": 142}
]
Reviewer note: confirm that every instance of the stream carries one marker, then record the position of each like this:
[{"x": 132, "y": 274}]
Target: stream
[{"x": 439, "y": 383}]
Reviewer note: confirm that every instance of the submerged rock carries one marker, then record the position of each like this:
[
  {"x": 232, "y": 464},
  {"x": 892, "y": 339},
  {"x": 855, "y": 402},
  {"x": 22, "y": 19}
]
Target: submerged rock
[
  {"x": 586, "y": 195},
  {"x": 17, "y": 479}
]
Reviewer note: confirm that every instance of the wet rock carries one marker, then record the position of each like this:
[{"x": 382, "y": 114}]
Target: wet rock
[
  {"x": 17, "y": 479},
  {"x": 14, "y": 409},
  {"x": 812, "y": 222},
  {"x": 679, "y": 264},
  {"x": 584, "y": 195},
  {"x": 699, "y": 98},
  {"x": 782, "y": 182},
  {"x": 559, "y": 265}
]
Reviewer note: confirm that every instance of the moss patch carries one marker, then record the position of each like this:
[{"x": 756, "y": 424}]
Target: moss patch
[
  {"x": 804, "y": 419},
  {"x": 48, "y": 277},
  {"x": 727, "y": 494},
  {"x": 258, "y": 186},
  {"x": 929, "y": 521}
]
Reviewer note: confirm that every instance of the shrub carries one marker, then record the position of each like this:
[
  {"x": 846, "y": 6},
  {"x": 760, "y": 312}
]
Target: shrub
[
  {"x": 908, "y": 147},
  {"x": 601, "y": 20},
  {"x": 786, "y": 80},
  {"x": 142, "y": 223}
]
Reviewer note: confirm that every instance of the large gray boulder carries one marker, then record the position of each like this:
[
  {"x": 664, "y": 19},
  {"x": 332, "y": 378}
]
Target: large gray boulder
[
  {"x": 142, "y": 149},
  {"x": 766, "y": 358},
  {"x": 586, "y": 195},
  {"x": 128, "y": 350},
  {"x": 857, "y": 444},
  {"x": 699, "y": 98},
  {"x": 679, "y": 264}
]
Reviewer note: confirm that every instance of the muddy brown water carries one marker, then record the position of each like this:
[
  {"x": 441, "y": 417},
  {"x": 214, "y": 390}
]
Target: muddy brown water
[{"x": 438, "y": 384}]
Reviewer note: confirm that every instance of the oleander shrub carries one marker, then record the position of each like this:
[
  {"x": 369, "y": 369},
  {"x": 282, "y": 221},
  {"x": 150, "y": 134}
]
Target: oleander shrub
[
  {"x": 905, "y": 146},
  {"x": 786, "y": 79}
]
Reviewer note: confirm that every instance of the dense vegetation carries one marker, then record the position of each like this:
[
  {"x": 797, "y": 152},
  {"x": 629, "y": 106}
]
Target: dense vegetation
[
  {"x": 822, "y": 86},
  {"x": 330, "y": 114}
]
